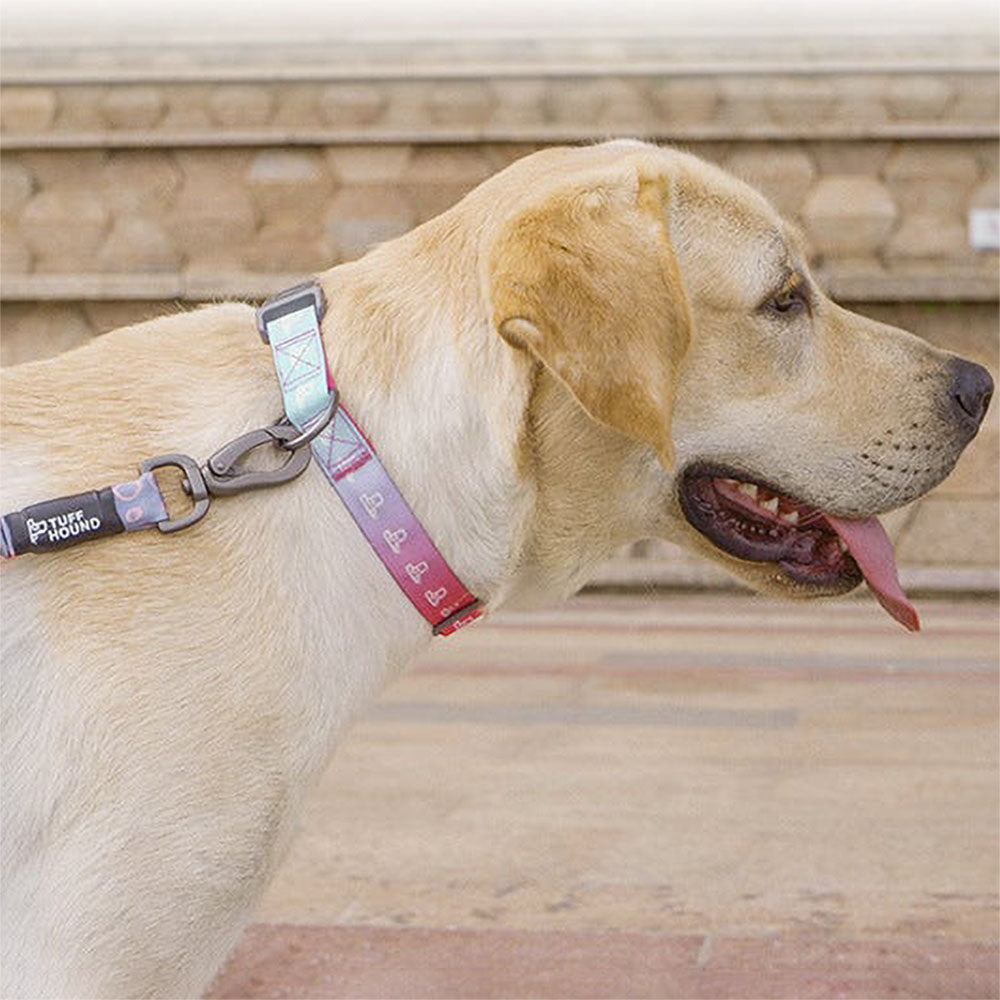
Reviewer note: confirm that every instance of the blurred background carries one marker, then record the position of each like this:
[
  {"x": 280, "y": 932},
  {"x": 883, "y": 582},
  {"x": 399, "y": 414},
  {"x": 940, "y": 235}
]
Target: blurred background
[
  {"x": 161, "y": 155},
  {"x": 641, "y": 794}
]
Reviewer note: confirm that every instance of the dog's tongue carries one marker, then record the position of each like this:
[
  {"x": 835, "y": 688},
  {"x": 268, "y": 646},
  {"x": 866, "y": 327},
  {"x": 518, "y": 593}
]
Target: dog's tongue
[{"x": 869, "y": 544}]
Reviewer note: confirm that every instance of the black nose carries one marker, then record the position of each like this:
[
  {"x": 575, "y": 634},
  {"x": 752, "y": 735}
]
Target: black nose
[{"x": 971, "y": 391}]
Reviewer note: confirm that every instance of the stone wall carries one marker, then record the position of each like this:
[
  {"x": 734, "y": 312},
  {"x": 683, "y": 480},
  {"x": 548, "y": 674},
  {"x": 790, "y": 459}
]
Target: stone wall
[
  {"x": 885, "y": 219},
  {"x": 129, "y": 185}
]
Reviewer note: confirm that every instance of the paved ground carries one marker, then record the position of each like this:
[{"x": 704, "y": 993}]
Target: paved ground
[{"x": 679, "y": 796}]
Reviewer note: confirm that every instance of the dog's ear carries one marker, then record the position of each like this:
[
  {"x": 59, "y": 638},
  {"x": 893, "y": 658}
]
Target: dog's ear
[{"x": 586, "y": 281}]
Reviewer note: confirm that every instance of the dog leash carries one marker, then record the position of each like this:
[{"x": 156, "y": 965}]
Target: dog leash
[{"x": 314, "y": 425}]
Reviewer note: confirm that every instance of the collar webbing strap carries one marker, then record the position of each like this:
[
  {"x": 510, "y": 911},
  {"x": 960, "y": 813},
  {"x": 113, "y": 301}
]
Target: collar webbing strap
[{"x": 290, "y": 323}]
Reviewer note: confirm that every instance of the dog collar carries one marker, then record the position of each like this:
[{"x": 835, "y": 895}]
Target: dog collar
[
  {"x": 314, "y": 425},
  {"x": 290, "y": 323}
]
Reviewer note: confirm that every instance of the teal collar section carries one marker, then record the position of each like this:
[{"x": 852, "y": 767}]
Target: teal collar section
[{"x": 290, "y": 323}]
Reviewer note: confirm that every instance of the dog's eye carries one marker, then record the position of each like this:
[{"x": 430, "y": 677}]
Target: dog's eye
[{"x": 788, "y": 302}]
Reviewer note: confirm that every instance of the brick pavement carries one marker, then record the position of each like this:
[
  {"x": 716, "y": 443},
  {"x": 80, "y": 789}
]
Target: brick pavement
[{"x": 677, "y": 796}]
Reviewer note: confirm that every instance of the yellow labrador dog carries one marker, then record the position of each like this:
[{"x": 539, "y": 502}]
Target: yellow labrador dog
[{"x": 596, "y": 345}]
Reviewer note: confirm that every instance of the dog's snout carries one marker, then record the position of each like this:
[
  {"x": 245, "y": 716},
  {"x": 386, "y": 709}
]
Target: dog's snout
[{"x": 971, "y": 391}]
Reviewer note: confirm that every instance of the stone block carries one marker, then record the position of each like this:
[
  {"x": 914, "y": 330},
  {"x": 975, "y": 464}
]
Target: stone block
[
  {"x": 987, "y": 157},
  {"x": 850, "y": 157},
  {"x": 580, "y": 102},
  {"x": 918, "y": 97},
  {"x": 16, "y": 186},
  {"x": 626, "y": 107},
  {"x": 27, "y": 109},
  {"x": 896, "y": 521},
  {"x": 64, "y": 228},
  {"x": 351, "y": 104},
  {"x": 360, "y": 217},
  {"x": 187, "y": 107},
  {"x": 292, "y": 184},
  {"x": 32, "y": 332},
  {"x": 848, "y": 216},
  {"x": 949, "y": 531},
  {"x": 144, "y": 181},
  {"x": 211, "y": 225},
  {"x": 138, "y": 245},
  {"x": 784, "y": 174},
  {"x": 440, "y": 164},
  {"x": 852, "y": 270},
  {"x": 745, "y": 101},
  {"x": 931, "y": 195},
  {"x": 288, "y": 247},
  {"x": 601, "y": 101},
  {"x": 685, "y": 100},
  {"x": 986, "y": 195},
  {"x": 975, "y": 475},
  {"x": 296, "y": 105},
  {"x": 967, "y": 328},
  {"x": 860, "y": 101},
  {"x": 240, "y": 105},
  {"x": 519, "y": 103},
  {"x": 107, "y": 315},
  {"x": 716, "y": 151},
  {"x": 946, "y": 161},
  {"x": 923, "y": 235},
  {"x": 502, "y": 154},
  {"x": 212, "y": 169},
  {"x": 15, "y": 257},
  {"x": 929, "y": 179},
  {"x": 467, "y": 103},
  {"x": 438, "y": 176},
  {"x": 977, "y": 98},
  {"x": 800, "y": 101},
  {"x": 369, "y": 164},
  {"x": 127, "y": 107},
  {"x": 407, "y": 105},
  {"x": 79, "y": 169},
  {"x": 80, "y": 108}
]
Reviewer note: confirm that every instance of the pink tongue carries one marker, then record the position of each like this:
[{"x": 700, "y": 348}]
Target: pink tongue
[{"x": 872, "y": 551}]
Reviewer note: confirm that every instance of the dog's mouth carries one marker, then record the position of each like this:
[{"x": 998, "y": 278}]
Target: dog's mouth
[{"x": 756, "y": 522}]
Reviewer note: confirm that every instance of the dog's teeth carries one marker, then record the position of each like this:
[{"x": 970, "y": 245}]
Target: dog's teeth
[
  {"x": 792, "y": 517},
  {"x": 749, "y": 489},
  {"x": 842, "y": 545},
  {"x": 771, "y": 505}
]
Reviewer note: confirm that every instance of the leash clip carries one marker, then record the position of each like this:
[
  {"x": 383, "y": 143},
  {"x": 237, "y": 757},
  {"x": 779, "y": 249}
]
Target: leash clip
[{"x": 224, "y": 475}]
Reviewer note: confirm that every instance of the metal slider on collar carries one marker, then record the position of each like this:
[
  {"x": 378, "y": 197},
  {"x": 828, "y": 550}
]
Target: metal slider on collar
[{"x": 289, "y": 301}]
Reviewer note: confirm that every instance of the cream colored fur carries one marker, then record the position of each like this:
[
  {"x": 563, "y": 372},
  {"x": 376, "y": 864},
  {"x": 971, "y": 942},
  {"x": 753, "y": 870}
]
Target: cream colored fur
[{"x": 532, "y": 366}]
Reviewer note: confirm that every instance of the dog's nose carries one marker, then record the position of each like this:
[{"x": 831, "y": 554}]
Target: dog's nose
[{"x": 971, "y": 391}]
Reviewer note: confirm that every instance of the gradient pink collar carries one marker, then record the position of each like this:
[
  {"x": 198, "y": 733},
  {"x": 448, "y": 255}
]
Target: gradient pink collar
[{"x": 290, "y": 323}]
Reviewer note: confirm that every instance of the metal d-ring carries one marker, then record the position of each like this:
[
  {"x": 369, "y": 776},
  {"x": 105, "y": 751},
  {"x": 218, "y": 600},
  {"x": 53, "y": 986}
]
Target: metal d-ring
[{"x": 314, "y": 427}]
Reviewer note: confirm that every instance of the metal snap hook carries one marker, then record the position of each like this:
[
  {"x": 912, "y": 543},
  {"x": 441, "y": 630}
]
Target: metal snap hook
[{"x": 224, "y": 476}]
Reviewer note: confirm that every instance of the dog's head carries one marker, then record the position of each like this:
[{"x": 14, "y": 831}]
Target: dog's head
[{"x": 693, "y": 382}]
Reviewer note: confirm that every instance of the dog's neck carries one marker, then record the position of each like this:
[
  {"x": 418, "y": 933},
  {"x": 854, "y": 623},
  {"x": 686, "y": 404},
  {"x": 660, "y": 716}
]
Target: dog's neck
[{"x": 408, "y": 351}]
